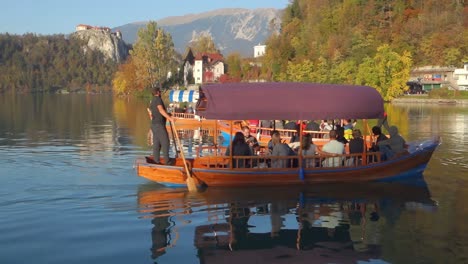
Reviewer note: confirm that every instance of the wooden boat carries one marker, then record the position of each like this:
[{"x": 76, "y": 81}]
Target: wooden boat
[{"x": 306, "y": 101}]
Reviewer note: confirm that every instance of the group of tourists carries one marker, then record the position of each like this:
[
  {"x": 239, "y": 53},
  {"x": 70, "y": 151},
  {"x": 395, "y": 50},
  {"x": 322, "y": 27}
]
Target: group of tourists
[
  {"x": 343, "y": 138},
  {"x": 341, "y": 134},
  {"x": 388, "y": 147}
]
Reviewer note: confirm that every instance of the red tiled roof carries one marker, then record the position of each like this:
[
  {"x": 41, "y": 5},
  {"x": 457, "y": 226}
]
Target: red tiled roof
[{"x": 212, "y": 56}]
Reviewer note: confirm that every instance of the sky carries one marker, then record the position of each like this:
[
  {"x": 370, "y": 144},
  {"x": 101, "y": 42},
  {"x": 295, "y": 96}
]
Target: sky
[{"x": 47, "y": 17}]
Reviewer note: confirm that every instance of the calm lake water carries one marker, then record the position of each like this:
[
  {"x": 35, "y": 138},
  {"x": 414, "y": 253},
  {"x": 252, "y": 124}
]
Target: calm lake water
[{"x": 69, "y": 194}]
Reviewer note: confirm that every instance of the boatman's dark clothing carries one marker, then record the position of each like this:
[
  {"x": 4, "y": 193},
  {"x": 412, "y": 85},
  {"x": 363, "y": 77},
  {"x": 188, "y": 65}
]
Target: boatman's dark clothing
[
  {"x": 157, "y": 117},
  {"x": 158, "y": 126}
]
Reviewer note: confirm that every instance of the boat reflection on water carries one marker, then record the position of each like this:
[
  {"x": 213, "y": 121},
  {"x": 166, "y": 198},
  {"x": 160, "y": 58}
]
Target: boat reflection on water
[{"x": 339, "y": 223}]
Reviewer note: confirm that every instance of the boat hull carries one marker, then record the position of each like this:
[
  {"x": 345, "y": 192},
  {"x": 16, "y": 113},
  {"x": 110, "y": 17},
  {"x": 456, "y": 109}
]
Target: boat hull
[{"x": 395, "y": 169}]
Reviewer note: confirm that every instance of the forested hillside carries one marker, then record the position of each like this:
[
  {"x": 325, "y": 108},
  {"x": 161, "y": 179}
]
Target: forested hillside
[
  {"x": 31, "y": 63},
  {"x": 330, "y": 40}
]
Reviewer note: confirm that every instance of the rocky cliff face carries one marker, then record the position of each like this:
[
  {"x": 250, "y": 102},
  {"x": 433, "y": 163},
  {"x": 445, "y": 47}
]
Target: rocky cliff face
[{"x": 109, "y": 43}]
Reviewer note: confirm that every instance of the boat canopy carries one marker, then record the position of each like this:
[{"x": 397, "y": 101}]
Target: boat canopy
[
  {"x": 189, "y": 96},
  {"x": 287, "y": 100}
]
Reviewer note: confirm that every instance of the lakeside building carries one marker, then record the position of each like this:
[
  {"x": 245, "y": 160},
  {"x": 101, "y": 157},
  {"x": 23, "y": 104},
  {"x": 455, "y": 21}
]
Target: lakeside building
[
  {"x": 432, "y": 77},
  {"x": 203, "y": 67},
  {"x": 461, "y": 77},
  {"x": 208, "y": 67}
]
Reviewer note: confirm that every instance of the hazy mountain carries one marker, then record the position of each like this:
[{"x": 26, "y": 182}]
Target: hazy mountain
[{"x": 233, "y": 30}]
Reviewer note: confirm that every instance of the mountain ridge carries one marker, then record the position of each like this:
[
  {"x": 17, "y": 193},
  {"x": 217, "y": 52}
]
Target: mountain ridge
[{"x": 232, "y": 29}]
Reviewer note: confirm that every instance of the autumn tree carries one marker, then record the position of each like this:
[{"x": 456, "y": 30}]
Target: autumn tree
[
  {"x": 234, "y": 65},
  {"x": 125, "y": 79},
  {"x": 387, "y": 71},
  {"x": 204, "y": 44},
  {"x": 153, "y": 55},
  {"x": 335, "y": 36},
  {"x": 299, "y": 72}
]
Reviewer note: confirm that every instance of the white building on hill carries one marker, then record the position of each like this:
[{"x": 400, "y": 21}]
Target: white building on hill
[{"x": 259, "y": 50}]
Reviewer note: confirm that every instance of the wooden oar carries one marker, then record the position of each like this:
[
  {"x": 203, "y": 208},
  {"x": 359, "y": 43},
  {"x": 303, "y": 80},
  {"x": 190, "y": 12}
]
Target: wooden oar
[
  {"x": 191, "y": 185},
  {"x": 174, "y": 140}
]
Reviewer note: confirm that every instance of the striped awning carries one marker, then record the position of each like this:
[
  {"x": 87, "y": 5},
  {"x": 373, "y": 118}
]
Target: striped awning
[{"x": 189, "y": 96}]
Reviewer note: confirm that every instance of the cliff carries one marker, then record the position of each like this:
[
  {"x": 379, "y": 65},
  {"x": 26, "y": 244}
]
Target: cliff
[{"x": 109, "y": 43}]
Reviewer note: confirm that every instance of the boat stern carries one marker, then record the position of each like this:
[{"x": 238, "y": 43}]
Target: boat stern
[{"x": 171, "y": 176}]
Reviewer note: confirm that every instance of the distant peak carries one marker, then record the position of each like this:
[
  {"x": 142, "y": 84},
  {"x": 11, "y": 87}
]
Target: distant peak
[{"x": 188, "y": 18}]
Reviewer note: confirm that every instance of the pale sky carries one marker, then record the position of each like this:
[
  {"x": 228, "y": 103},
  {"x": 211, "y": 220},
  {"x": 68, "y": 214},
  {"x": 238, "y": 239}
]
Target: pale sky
[{"x": 61, "y": 16}]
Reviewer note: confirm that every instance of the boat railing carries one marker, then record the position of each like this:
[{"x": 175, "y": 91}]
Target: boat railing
[
  {"x": 317, "y": 134},
  {"x": 287, "y": 133},
  {"x": 265, "y": 131},
  {"x": 210, "y": 150},
  {"x": 186, "y": 116},
  {"x": 193, "y": 133},
  {"x": 279, "y": 162}
]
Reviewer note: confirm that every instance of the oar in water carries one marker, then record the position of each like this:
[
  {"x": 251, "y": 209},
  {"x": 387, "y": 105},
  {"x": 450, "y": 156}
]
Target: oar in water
[{"x": 191, "y": 185}]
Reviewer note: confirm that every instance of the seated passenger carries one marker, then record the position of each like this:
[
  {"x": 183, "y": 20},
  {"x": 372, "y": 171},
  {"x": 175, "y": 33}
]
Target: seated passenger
[
  {"x": 348, "y": 129},
  {"x": 270, "y": 143},
  {"x": 239, "y": 148},
  {"x": 278, "y": 124},
  {"x": 356, "y": 145},
  {"x": 394, "y": 146},
  {"x": 308, "y": 149},
  {"x": 378, "y": 136},
  {"x": 266, "y": 123},
  {"x": 324, "y": 126},
  {"x": 312, "y": 126},
  {"x": 295, "y": 137},
  {"x": 250, "y": 140},
  {"x": 279, "y": 149},
  {"x": 340, "y": 132},
  {"x": 332, "y": 147},
  {"x": 291, "y": 125}
]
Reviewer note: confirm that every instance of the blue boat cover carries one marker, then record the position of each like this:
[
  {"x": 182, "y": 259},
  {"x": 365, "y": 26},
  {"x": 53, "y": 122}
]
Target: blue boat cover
[{"x": 189, "y": 96}]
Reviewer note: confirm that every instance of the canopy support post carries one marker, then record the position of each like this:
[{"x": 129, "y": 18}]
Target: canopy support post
[
  {"x": 215, "y": 137},
  {"x": 301, "y": 167},
  {"x": 230, "y": 144},
  {"x": 364, "y": 150}
]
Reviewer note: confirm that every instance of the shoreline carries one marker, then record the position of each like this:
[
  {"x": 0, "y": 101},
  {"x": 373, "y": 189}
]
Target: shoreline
[{"x": 425, "y": 100}]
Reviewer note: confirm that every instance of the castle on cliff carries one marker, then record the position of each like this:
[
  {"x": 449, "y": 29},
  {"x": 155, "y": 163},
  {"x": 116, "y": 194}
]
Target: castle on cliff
[{"x": 82, "y": 27}]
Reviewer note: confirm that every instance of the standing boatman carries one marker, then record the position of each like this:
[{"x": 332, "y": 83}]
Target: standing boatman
[{"x": 158, "y": 116}]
